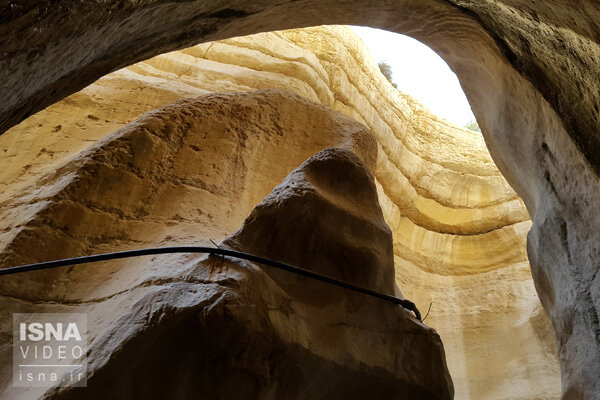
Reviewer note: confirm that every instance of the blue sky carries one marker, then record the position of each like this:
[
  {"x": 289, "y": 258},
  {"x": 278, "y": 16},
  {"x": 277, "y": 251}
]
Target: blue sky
[{"x": 419, "y": 72}]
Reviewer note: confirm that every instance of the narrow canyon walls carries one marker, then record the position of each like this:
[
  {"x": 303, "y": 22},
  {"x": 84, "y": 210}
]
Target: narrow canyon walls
[{"x": 458, "y": 227}]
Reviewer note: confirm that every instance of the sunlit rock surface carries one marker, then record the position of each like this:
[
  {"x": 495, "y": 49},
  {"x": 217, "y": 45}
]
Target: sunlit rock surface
[
  {"x": 458, "y": 227},
  {"x": 529, "y": 70},
  {"x": 160, "y": 179}
]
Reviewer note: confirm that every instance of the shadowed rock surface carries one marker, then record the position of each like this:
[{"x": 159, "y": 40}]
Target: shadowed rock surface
[{"x": 332, "y": 195}]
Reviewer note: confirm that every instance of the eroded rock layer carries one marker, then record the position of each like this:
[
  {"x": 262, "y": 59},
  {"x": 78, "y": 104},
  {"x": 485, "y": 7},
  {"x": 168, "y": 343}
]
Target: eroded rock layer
[
  {"x": 458, "y": 227},
  {"x": 528, "y": 68}
]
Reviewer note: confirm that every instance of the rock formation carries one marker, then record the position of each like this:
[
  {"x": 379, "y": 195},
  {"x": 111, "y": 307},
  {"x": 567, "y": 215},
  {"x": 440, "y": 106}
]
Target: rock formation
[
  {"x": 241, "y": 334},
  {"x": 161, "y": 178},
  {"x": 528, "y": 68},
  {"x": 329, "y": 196},
  {"x": 458, "y": 227}
]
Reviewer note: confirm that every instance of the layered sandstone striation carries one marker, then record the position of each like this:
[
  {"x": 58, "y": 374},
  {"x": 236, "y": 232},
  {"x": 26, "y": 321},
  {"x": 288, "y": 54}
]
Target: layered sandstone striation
[
  {"x": 528, "y": 68},
  {"x": 458, "y": 228}
]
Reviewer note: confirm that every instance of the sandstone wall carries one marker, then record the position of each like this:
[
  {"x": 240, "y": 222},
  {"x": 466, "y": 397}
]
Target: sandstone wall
[
  {"x": 529, "y": 70},
  {"x": 208, "y": 327},
  {"x": 459, "y": 229}
]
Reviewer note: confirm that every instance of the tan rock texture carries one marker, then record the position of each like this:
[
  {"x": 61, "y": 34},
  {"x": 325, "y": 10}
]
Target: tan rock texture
[
  {"x": 458, "y": 227},
  {"x": 192, "y": 169},
  {"x": 529, "y": 70},
  {"x": 227, "y": 328},
  {"x": 330, "y": 196}
]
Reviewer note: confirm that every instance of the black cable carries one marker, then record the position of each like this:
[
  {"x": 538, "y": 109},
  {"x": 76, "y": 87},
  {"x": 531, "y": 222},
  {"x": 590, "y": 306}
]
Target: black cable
[
  {"x": 427, "y": 315},
  {"x": 409, "y": 305}
]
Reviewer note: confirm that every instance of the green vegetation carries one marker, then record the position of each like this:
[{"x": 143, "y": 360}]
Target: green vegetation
[
  {"x": 473, "y": 125},
  {"x": 386, "y": 70}
]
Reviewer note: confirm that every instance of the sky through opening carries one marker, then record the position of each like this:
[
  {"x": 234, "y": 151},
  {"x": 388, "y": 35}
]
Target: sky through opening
[{"x": 419, "y": 72}]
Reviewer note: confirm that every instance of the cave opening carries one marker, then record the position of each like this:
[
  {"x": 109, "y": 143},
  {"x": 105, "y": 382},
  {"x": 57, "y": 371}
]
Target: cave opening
[
  {"x": 523, "y": 106},
  {"x": 459, "y": 229}
]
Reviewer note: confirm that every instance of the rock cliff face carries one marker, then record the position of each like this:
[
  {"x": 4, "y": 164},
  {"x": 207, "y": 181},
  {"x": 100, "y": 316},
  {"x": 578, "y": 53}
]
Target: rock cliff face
[
  {"x": 458, "y": 227},
  {"x": 164, "y": 179},
  {"x": 233, "y": 330}
]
